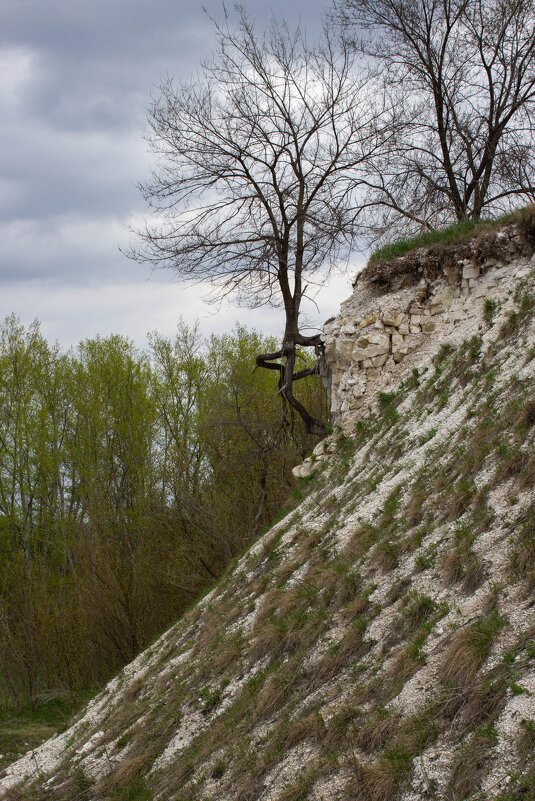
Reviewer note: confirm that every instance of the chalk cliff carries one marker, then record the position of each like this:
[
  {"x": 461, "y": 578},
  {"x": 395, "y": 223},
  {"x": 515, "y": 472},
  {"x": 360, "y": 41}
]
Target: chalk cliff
[{"x": 377, "y": 643}]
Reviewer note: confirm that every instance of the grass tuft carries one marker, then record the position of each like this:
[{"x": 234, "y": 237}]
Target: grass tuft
[
  {"x": 469, "y": 649},
  {"x": 523, "y": 557},
  {"x": 470, "y": 762}
]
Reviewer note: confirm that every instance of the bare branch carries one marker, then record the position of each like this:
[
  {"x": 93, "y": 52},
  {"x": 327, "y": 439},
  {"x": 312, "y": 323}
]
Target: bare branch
[
  {"x": 461, "y": 75},
  {"x": 260, "y": 161}
]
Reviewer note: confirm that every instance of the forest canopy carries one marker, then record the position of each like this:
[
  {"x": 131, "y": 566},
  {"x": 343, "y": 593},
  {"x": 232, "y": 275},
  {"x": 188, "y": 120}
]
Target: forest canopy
[{"x": 128, "y": 481}]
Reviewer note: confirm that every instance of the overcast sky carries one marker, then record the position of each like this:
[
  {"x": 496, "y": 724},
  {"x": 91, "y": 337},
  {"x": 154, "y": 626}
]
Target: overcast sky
[{"x": 76, "y": 79}]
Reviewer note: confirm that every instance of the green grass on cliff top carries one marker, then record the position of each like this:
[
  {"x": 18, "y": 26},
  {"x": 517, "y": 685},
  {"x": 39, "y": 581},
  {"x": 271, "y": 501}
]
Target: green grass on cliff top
[{"x": 446, "y": 236}]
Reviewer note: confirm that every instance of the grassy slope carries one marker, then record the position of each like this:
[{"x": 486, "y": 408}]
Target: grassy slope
[
  {"x": 383, "y": 621},
  {"x": 449, "y": 235}
]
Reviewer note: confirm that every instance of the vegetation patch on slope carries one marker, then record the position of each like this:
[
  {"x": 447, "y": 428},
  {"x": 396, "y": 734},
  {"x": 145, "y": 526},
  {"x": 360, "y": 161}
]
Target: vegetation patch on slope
[{"x": 428, "y": 255}]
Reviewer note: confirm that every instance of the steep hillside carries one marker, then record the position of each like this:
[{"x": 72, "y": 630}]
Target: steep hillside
[{"x": 378, "y": 642}]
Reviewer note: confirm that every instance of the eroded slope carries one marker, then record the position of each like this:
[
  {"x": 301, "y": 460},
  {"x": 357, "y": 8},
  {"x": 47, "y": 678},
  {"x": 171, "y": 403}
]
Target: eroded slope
[{"x": 377, "y": 643}]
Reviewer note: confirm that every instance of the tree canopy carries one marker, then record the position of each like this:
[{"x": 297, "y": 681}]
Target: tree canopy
[{"x": 128, "y": 480}]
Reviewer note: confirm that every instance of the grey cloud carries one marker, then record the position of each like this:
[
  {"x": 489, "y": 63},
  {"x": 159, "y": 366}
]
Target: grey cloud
[
  {"x": 75, "y": 81},
  {"x": 70, "y": 248},
  {"x": 59, "y": 171},
  {"x": 70, "y": 314}
]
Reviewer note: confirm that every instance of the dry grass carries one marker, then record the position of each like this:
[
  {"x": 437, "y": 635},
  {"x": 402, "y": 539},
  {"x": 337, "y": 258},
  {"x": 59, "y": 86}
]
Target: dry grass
[
  {"x": 461, "y": 661},
  {"x": 418, "y": 731},
  {"x": 13, "y": 794},
  {"x": 308, "y": 544},
  {"x": 357, "y": 607},
  {"x": 385, "y": 555},
  {"x": 291, "y": 619},
  {"x": 284, "y": 635},
  {"x": 468, "y": 650},
  {"x": 375, "y": 730},
  {"x": 526, "y": 223},
  {"x": 248, "y": 772},
  {"x": 132, "y": 691},
  {"x": 526, "y": 417},
  {"x": 475, "y": 575},
  {"x": 72, "y": 785},
  {"x": 227, "y": 653},
  {"x": 250, "y": 788},
  {"x": 470, "y": 763},
  {"x": 453, "y": 566},
  {"x": 398, "y": 590},
  {"x": 484, "y": 701},
  {"x": 129, "y": 709},
  {"x": 209, "y": 626},
  {"x": 523, "y": 557},
  {"x": 287, "y": 569},
  {"x": 285, "y": 735},
  {"x": 351, "y": 648},
  {"x": 416, "y": 614},
  {"x": 414, "y": 539},
  {"x": 338, "y": 582},
  {"x": 283, "y": 624},
  {"x": 525, "y": 744},
  {"x": 126, "y": 771},
  {"x": 527, "y": 474},
  {"x": 415, "y": 508},
  {"x": 268, "y": 642},
  {"x": 340, "y": 727},
  {"x": 298, "y": 790},
  {"x": 398, "y": 739},
  {"x": 458, "y": 499},
  {"x": 308, "y": 727},
  {"x": 361, "y": 541},
  {"x": 378, "y": 781},
  {"x": 463, "y": 566},
  {"x": 415, "y": 610},
  {"x": 275, "y": 692},
  {"x": 406, "y": 663},
  {"x": 476, "y": 704}
]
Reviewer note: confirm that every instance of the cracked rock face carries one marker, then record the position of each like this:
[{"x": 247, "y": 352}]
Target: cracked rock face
[
  {"x": 379, "y": 641},
  {"x": 374, "y": 334}
]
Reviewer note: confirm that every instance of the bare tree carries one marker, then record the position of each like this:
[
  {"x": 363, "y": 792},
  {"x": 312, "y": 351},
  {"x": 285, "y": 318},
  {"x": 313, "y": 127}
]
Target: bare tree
[
  {"x": 260, "y": 159},
  {"x": 461, "y": 76}
]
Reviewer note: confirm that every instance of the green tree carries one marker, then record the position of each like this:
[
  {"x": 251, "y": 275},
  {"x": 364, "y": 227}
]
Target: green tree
[
  {"x": 111, "y": 453},
  {"x": 127, "y": 482},
  {"x": 35, "y": 598}
]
